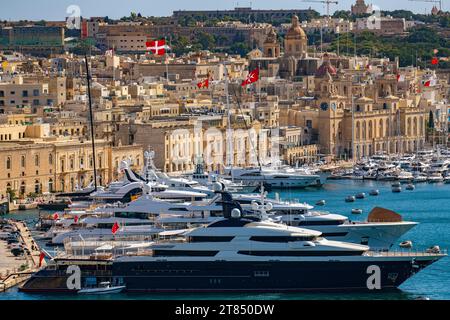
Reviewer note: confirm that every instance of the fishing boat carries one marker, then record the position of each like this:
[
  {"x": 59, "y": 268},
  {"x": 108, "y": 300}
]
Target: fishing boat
[{"x": 374, "y": 192}]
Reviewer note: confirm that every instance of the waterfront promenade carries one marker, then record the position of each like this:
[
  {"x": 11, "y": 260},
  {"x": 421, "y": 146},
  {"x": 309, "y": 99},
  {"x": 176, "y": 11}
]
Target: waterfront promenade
[{"x": 15, "y": 270}]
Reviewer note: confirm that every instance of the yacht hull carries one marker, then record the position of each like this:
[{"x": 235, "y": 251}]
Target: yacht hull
[{"x": 243, "y": 276}]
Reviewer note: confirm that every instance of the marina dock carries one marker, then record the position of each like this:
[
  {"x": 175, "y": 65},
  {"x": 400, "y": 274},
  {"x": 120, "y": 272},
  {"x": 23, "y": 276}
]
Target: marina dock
[{"x": 16, "y": 269}]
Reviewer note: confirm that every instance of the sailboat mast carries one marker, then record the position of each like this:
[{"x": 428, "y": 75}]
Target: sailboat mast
[
  {"x": 230, "y": 152},
  {"x": 91, "y": 118}
]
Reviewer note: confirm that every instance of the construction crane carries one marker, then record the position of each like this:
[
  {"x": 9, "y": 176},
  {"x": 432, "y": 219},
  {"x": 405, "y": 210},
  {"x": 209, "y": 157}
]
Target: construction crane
[
  {"x": 433, "y": 1},
  {"x": 327, "y": 2}
]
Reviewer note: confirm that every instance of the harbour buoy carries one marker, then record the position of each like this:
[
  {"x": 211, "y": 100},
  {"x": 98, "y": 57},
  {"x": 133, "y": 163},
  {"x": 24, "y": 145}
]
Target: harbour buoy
[
  {"x": 320, "y": 203},
  {"x": 350, "y": 199},
  {"x": 374, "y": 192},
  {"x": 406, "y": 244},
  {"x": 357, "y": 211}
]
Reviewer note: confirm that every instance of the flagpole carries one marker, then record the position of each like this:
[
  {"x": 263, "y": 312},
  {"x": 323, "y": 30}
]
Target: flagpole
[{"x": 167, "y": 61}]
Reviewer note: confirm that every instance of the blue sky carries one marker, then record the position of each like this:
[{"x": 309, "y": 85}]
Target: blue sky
[{"x": 56, "y": 9}]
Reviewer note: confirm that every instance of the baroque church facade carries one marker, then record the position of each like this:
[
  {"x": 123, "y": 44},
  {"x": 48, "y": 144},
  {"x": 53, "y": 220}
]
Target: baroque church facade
[{"x": 355, "y": 112}]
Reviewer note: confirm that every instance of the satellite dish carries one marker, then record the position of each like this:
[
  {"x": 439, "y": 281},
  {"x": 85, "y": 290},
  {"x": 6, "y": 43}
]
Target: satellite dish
[{"x": 235, "y": 213}]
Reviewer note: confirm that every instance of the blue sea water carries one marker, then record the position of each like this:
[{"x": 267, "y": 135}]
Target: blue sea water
[{"x": 428, "y": 204}]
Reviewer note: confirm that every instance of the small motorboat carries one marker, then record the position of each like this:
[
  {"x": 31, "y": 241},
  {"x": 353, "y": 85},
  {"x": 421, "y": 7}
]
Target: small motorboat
[
  {"x": 357, "y": 211},
  {"x": 374, "y": 192},
  {"x": 103, "y": 288},
  {"x": 320, "y": 203},
  {"x": 396, "y": 189},
  {"x": 406, "y": 244},
  {"x": 350, "y": 199},
  {"x": 396, "y": 184},
  {"x": 410, "y": 186},
  {"x": 360, "y": 195}
]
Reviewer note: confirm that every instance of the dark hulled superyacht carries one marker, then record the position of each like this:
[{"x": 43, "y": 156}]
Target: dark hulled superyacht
[{"x": 234, "y": 254}]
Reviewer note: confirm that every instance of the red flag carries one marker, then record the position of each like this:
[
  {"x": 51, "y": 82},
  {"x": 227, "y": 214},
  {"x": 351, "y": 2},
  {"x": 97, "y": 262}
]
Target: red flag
[
  {"x": 115, "y": 228},
  {"x": 400, "y": 77},
  {"x": 157, "y": 47},
  {"x": 430, "y": 83},
  {"x": 203, "y": 84},
  {"x": 434, "y": 61},
  {"x": 56, "y": 216},
  {"x": 75, "y": 219},
  {"x": 251, "y": 78},
  {"x": 41, "y": 257}
]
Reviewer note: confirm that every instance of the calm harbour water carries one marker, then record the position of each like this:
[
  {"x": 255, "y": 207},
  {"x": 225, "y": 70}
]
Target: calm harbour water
[{"x": 428, "y": 204}]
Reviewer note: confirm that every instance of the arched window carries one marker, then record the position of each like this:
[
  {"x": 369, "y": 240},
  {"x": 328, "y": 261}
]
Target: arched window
[
  {"x": 50, "y": 185},
  {"x": 36, "y": 160},
  {"x": 381, "y": 128},
  {"x": 370, "y": 129},
  {"x": 23, "y": 161},
  {"x": 357, "y": 130},
  {"x": 37, "y": 187},
  {"x": 22, "y": 188},
  {"x": 415, "y": 126},
  {"x": 409, "y": 126},
  {"x": 421, "y": 130},
  {"x": 50, "y": 158},
  {"x": 8, "y": 163},
  {"x": 364, "y": 130}
]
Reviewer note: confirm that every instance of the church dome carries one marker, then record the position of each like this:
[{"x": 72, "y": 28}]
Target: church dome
[
  {"x": 295, "y": 31},
  {"x": 326, "y": 68}
]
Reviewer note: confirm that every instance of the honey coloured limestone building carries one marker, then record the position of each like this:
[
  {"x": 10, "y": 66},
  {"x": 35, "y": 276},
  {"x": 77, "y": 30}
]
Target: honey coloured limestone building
[
  {"x": 360, "y": 115},
  {"x": 38, "y": 166}
]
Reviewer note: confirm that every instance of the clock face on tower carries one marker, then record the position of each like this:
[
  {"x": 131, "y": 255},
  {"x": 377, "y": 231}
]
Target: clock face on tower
[{"x": 324, "y": 106}]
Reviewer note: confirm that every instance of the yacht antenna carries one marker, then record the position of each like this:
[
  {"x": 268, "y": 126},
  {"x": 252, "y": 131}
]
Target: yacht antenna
[{"x": 91, "y": 118}]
